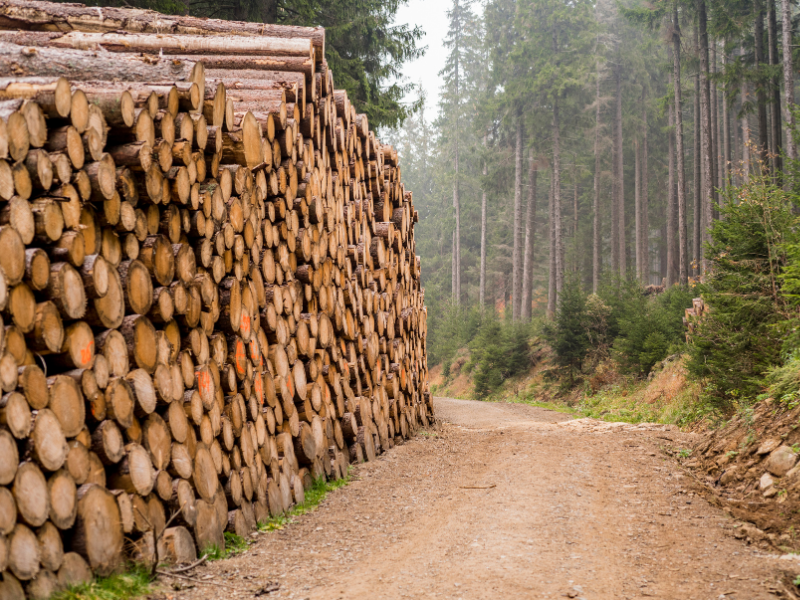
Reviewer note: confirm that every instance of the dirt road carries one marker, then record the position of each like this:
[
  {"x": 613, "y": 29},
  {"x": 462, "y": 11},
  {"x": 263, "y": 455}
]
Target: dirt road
[{"x": 507, "y": 501}]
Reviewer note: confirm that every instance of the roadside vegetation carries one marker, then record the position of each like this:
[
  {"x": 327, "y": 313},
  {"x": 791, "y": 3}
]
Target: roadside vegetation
[{"x": 624, "y": 354}]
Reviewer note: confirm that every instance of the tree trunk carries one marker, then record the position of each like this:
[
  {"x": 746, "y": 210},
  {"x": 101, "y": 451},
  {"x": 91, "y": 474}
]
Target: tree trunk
[
  {"x": 714, "y": 131},
  {"x": 726, "y": 130},
  {"x": 620, "y": 180},
  {"x": 575, "y": 214},
  {"x": 788, "y": 78},
  {"x": 705, "y": 102},
  {"x": 551, "y": 288},
  {"x": 672, "y": 249},
  {"x": 637, "y": 208},
  {"x": 596, "y": 198},
  {"x": 483, "y": 236},
  {"x": 763, "y": 136},
  {"x": 559, "y": 245},
  {"x": 698, "y": 195},
  {"x": 644, "y": 197},
  {"x": 775, "y": 85},
  {"x": 746, "y": 145},
  {"x": 683, "y": 259},
  {"x": 456, "y": 200},
  {"x": 530, "y": 239},
  {"x": 516, "y": 262}
]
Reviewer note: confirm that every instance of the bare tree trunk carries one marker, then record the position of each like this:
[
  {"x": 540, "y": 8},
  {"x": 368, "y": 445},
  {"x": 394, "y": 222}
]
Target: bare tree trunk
[
  {"x": 596, "y": 198},
  {"x": 644, "y": 200},
  {"x": 551, "y": 288},
  {"x": 453, "y": 267},
  {"x": 788, "y": 78},
  {"x": 456, "y": 199},
  {"x": 637, "y": 208},
  {"x": 714, "y": 131},
  {"x": 683, "y": 259},
  {"x": 705, "y": 101},
  {"x": 530, "y": 239},
  {"x": 698, "y": 203},
  {"x": 775, "y": 120},
  {"x": 620, "y": 180},
  {"x": 615, "y": 233},
  {"x": 557, "y": 201},
  {"x": 746, "y": 145},
  {"x": 483, "y": 236},
  {"x": 516, "y": 263},
  {"x": 763, "y": 137},
  {"x": 726, "y": 127},
  {"x": 575, "y": 214},
  {"x": 672, "y": 240}
]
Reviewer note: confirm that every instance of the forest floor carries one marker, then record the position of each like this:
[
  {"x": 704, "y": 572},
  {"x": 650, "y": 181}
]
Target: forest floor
[{"x": 508, "y": 501}]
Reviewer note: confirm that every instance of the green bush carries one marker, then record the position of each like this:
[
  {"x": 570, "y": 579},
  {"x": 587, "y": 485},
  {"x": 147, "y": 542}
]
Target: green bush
[
  {"x": 499, "y": 350},
  {"x": 649, "y": 328},
  {"x": 740, "y": 340}
]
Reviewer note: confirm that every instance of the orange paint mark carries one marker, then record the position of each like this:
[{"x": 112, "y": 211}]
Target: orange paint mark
[
  {"x": 204, "y": 382},
  {"x": 259, "y": 387},
  {"x": 244, "y": 324},
  {"x": 86, "y": 353},
  {"x": 290, "y": 386},
  {"x": 241, "y": 358}
]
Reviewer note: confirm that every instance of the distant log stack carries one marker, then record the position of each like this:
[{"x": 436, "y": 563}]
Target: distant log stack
[{"x": 208, "y": 286}]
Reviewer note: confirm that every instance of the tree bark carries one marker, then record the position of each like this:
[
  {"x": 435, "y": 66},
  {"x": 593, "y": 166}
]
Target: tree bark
[
  {"x": 788, "y": 79},
  {"x": 763, "y": 136},
  {"x": 596, "y": 187},
  {"x": 698, "y": 195},
  {"x": 516, "y": 262},
  {"x": 620, "y": 179},
  {"x": 483, "y": 235},
  {"x": 456, "y": 199},
  {"x": 672, "y": 248},
  {"x": 637, "y": 208},
  {"x": 42, "y": 16},
  {"x": 645, "y": 199},
  {"x": 551, "y": 288},
  {"x": 559, "y": 246},
  {"x": 705, "y": 102},
  {"x": 746, "y": 145},
  {"x": 714, "y": 131},
  {"x": 76, "y": 65},
  {"x": 530, "y": 239},
  {"x": 683, "y": 260},
  {"x": 726, "y": 128},
  {"x": 775, "y": 87}
]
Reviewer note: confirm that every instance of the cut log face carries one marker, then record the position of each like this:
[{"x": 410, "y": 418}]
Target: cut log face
[
  {"x": 23, "y": 553},
  {"x": 47, "y": 444},
  {"x": 177, "y": 546},
  {"x": 51, "y": 548},
  {"x": 74, "y": 570},
  {"x": 63, "y": 499},
  {"x": 98, "y": 530},
  {"x": 66, "y": 402},
  {"x": 30, "y": 494}
]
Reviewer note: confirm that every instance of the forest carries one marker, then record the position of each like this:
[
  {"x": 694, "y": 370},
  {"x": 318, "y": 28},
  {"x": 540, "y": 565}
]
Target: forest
[{"x": 610, "y": 161}]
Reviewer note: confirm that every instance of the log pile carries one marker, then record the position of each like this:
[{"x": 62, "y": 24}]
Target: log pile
[{"x": 208, "y": 286}]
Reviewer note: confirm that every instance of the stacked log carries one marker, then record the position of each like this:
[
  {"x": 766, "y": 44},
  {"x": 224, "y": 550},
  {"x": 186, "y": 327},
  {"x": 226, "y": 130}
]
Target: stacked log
[{"x": 208, "y": 285}]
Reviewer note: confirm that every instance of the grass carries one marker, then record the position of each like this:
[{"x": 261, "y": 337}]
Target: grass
[
  {"x": 313, "y": 497},
  {"x": 133, "y": 583},
  {"x": 234, "y": 544}
]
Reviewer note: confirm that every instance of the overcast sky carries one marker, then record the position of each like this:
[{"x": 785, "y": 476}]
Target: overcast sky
[{"x": 431, "y": 15}]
